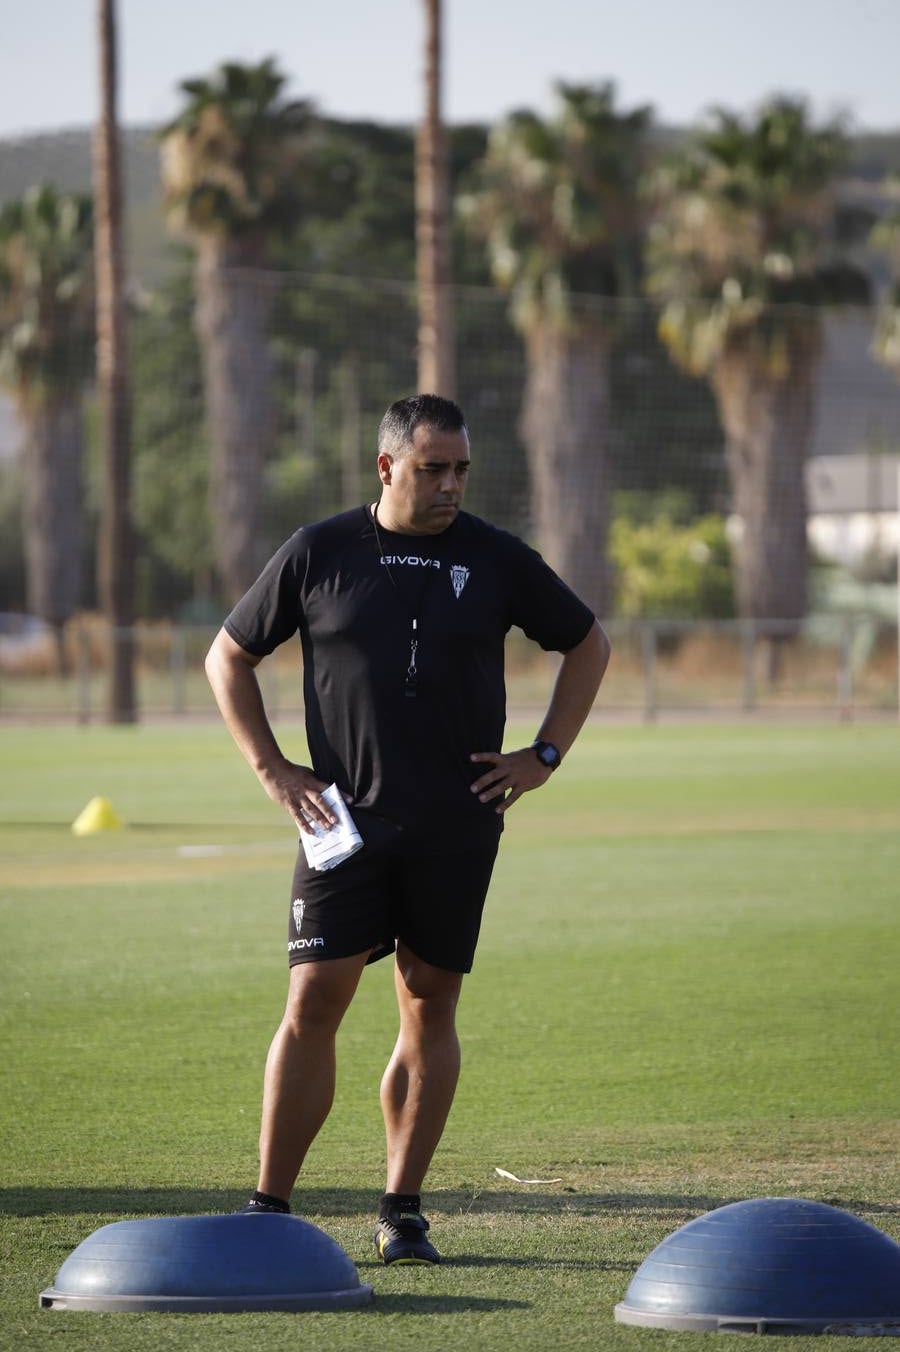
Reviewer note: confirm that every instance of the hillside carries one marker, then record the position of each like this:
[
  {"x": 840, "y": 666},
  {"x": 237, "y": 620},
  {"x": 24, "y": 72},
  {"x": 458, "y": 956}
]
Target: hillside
[{"x": 63, "y": 158}]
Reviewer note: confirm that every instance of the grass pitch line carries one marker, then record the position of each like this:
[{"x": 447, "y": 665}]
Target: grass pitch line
[{"x": 217, "y": 851}]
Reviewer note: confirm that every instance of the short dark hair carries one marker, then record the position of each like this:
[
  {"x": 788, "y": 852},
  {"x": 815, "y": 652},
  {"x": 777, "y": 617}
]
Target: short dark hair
[{"x": 403, "y": 417}]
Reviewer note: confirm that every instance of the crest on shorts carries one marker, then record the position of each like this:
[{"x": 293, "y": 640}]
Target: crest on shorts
[
  {"x": 298, "y": 907},
  {"x": 459, "y": 576}
]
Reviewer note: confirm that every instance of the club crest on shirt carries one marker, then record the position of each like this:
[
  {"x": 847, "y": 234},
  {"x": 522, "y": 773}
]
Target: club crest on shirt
[{"x": 459, "y": 576}]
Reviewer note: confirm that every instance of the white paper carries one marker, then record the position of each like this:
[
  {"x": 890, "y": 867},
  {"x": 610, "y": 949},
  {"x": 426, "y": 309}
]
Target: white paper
[
  {"x": 330, "y": 846},
  {"x": 504, "y": 1173}
]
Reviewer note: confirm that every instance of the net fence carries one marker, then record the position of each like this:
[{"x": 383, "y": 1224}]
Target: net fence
[{"x": 337, "y": 351}]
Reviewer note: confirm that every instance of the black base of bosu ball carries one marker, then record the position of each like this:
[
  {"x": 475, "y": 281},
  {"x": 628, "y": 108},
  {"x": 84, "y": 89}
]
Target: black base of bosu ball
[
  {"x": 776, "y": 1265},
  {"x": 208, "y": 1264}
]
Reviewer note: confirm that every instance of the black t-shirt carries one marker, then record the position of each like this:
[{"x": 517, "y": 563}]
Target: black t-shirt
[{"x": 406, "y": 757}]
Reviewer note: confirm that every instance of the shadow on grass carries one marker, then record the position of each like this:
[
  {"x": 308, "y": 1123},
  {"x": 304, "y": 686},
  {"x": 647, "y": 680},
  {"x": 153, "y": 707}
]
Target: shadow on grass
[
  {"x": 324, "y": 1202},
  {"x": 121, "y": 1201},
  {"x": 409, "y": 1304},
  {"x": 570, "y": 1264},
  {"x": 124, "y": 1201},
  {"x": 685, "y": 1205}
]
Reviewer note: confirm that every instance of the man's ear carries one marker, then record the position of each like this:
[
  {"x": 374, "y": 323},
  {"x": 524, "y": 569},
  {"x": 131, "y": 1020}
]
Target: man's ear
[{"x": 385, "y": 466}]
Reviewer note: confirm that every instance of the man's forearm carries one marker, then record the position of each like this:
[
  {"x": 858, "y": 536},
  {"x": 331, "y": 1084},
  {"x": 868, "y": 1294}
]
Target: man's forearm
[
  {"x": 513, "y": 773},
  {"x": 232, "y": 677},
  {"x": 577, "y": 682}
]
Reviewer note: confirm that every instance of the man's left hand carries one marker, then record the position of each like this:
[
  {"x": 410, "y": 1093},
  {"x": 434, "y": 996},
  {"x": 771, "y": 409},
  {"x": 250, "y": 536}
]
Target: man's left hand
[{"x": 511, "y": 774}]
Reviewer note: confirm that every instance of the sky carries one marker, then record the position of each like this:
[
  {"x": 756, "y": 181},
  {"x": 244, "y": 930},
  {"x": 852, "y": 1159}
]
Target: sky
[{"x": 363, "y": 58}]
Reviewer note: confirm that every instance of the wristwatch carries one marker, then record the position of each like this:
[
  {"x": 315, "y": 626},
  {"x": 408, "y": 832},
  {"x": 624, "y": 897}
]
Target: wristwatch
[{"x": 547, "y": 753}]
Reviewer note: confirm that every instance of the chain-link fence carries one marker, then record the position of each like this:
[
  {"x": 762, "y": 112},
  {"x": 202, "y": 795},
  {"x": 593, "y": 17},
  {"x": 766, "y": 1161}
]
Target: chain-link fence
[
  {"x": 841, "y": 668},
  {"x": 340, "y": 349}
]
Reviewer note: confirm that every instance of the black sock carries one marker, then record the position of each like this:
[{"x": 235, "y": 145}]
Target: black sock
[
  {"x": 400, "y": 1201},
  {"x": 266, "y": 1202}
]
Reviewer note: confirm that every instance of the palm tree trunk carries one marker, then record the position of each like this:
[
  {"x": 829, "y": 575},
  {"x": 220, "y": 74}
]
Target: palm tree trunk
[
  {"x": 234, "y": 304},
  {"x": 437, "y": 339},
  {"x": 54, "y": 442},
  {"x": 117, "y": 546},
  {"x": 768, "y": 420},
  {"x": 565, "y": 426}
]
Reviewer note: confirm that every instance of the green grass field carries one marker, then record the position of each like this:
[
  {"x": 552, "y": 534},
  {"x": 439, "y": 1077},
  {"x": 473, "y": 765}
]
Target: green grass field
[{"x": 686, "y": 994}]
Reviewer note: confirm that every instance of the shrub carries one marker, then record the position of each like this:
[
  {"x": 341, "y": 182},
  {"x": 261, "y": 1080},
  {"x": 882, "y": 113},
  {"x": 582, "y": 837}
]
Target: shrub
[{"x": 670, "y": 571}]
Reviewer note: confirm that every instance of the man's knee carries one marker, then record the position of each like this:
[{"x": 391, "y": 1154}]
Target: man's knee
[
  {"x": 320, "y": 993},
  {"x": 429, "y": 993}
]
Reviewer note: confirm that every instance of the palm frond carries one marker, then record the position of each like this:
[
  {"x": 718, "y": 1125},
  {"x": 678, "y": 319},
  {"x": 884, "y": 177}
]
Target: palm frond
[
  {"x": 743, "y": 224},
  {"x": 558, "y": 201},
  {"x": 232, "y": 159}
]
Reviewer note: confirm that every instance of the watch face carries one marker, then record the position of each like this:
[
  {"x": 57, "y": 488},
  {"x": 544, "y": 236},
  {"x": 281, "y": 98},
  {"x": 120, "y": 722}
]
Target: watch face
[{"x": 547, "y": 755}]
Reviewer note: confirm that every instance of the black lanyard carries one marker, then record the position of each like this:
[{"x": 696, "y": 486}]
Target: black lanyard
[{"x": 411, "y": 680}]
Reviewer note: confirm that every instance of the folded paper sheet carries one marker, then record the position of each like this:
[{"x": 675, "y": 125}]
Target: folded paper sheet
[{"x": 328, "y": 848}]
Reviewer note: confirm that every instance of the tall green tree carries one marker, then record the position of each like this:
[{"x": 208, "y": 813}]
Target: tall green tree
[
  {"x": 558, "y": 204},
  {"x": 46, "y": 360},
  {"x": 232, "y": 165},
  {"x": 171, "y": 465},
  {"x": 117, "y": 543},
  {"x": 744, "y": 257}
]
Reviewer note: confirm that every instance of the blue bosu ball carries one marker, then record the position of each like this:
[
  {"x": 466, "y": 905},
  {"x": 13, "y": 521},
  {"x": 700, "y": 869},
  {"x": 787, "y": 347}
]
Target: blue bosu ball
[
  {"x": 770, "y": 1265},
  {"x": 208, "y": 1264}
]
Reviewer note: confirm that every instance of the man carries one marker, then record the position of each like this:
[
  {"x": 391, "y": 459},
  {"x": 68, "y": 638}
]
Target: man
[{"x": 402, "y": 608}]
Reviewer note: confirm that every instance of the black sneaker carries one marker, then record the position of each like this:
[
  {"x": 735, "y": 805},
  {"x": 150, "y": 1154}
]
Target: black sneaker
[
  {"x": 400, "y": 1238},
  {"x": 255, "y": 1208}
]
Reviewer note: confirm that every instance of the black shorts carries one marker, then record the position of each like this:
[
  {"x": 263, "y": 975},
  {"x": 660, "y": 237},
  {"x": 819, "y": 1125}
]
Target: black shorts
[{"x": 390, "y": 891}]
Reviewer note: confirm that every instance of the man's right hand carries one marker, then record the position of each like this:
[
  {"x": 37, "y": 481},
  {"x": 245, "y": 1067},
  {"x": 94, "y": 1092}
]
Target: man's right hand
[{"x": 299, "y": 792}]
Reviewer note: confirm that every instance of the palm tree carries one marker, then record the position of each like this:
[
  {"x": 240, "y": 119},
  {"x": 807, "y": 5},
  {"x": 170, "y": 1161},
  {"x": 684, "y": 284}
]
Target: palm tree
[
  {"x": 558, "y": 205},
  {"x": 437, "y": 356},
  {"x": 743, "y": 256},
  {"x": 232, "y": 163},
  {"x": 117, "y": 546},
  {"x": 46, "y": 359}
]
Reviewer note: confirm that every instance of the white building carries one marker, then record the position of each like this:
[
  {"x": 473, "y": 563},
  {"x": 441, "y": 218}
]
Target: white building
[{"x": 853, "y": 506}]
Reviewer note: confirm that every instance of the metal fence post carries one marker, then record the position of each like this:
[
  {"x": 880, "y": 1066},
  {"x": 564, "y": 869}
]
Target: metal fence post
[
  {"x": 648, "y": 645},
  {"x": 177, "y": 664},
  {"x": 748, "y": 652},
  {"x": 83, "y": 688},
  {"x": 845, "y": 673}
]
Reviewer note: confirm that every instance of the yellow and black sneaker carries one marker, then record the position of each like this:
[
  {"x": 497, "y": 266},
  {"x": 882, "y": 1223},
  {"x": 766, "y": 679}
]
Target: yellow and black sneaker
[{"x": 400, "y": 1237}]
